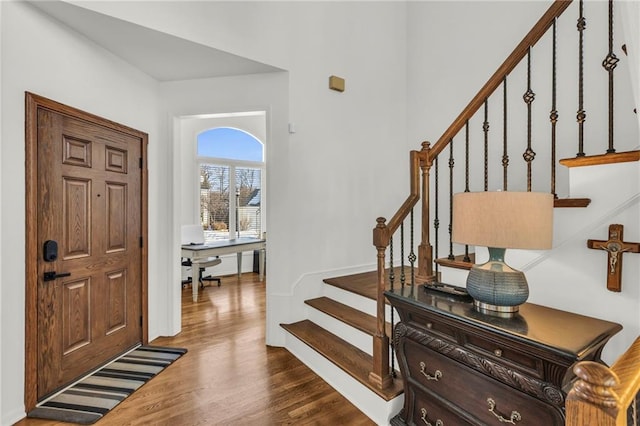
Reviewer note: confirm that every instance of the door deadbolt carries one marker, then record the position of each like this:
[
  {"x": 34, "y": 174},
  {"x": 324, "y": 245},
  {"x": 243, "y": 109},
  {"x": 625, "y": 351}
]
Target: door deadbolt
[{"x": 50, "y": 250}]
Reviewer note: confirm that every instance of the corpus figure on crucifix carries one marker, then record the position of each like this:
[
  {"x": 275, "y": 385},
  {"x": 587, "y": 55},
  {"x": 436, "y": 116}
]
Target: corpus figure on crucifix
[{"x": 615, "y": 247}]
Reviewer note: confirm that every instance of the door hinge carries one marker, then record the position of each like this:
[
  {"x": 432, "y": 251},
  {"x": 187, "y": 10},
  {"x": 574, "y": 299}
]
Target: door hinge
[
  {"x": 141, "y": 242},
  {"x": 140, "y": 320},
  {"x": 141, "y": 162}
]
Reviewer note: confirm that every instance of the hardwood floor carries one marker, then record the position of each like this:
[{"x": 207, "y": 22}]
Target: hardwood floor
[{"x": 229, "y": 376}]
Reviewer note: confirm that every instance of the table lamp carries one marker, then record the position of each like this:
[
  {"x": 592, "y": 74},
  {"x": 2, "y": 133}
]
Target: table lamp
[{"x": 498, "y": 221}]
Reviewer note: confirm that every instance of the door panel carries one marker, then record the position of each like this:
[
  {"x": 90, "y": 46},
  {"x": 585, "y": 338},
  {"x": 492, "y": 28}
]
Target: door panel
[
  {"x": 116, "y": 217},
  {"x": 117, "y": 299},
  {"x": 75, "y": 304},
  {"x": 89, "y": 189},
  {"x": 76, "y": 217}
]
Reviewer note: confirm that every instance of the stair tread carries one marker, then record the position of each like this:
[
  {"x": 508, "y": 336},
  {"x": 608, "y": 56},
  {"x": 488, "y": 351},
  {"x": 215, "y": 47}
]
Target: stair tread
[
  {"x": 349, "y": 358},
  {"x": 608, "y": 158},
  {"x": 458, "y": 262},
  {"x": 571, "y": 202},
  {"x": 351, "y": 316},
  {"x": 366, "y": 283}
]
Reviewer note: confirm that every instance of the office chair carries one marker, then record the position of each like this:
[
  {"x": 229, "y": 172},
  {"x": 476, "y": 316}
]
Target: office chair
[{"x": 194, "y": 234}]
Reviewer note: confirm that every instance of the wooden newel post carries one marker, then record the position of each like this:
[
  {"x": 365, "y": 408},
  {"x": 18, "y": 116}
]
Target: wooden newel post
[
  {"x": 425, "y": 250},
  {"x": 592, "y": 399},
  {"x": 381, "y": 376}
]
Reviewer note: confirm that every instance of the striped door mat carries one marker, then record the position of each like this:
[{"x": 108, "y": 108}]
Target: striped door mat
[{"x": 89, "y": 399}]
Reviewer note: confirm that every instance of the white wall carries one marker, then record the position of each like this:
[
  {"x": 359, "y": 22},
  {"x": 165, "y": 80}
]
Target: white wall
[
  {"x": 40, "y": 56},
  {"x": 266, "y": 92},
  {"x": 323, "y": 180}
]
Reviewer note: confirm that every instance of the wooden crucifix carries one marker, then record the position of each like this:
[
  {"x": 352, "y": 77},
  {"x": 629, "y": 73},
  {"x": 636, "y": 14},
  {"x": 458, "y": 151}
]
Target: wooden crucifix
[{"x": 615, "y": 247}]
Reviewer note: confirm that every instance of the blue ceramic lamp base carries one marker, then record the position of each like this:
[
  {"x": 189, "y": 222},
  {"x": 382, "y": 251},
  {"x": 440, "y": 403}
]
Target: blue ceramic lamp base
[{"x": 495, "y": 286}]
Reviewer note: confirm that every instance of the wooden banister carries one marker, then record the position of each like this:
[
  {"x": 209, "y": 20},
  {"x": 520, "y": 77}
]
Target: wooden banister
[
  {"x": 532, "y": 37},
  {"x": 601, "y": 396},
  {"x": 381, "y": 239}
]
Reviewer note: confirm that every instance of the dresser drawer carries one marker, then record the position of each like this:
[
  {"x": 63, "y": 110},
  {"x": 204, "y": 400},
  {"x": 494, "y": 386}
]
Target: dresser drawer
[
  {"x": 433, "y": 325},
  {"x": 504, "y": 354},
  {"x": 425, "y": 410},
  {"x": 485, "y": 398}
]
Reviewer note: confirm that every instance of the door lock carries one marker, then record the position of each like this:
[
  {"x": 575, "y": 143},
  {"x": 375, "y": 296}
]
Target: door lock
[{"x": 50, "y": 276}]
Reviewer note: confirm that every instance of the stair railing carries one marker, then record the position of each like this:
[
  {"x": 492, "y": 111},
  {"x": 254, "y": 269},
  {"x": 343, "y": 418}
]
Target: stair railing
[
  {"x": 420, "y": 166},
  {"x": 606, "y": 396}
]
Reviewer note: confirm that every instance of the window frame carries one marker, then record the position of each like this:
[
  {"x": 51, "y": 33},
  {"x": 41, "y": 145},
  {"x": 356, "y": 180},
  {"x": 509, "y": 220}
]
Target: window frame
[{"x": 234, "y": 164}]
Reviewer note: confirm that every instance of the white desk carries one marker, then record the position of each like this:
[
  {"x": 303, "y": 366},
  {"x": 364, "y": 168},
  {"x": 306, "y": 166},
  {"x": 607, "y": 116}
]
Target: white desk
[{"x": 200, "y": 252}]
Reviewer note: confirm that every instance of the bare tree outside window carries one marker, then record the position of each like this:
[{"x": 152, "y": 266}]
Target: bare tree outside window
[
  {"x": 231, "y": 167},
  {"x": 214, "y": 197}
]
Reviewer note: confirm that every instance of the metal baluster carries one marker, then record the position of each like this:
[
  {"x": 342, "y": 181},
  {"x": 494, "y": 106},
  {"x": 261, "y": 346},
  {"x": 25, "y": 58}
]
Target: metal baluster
[
  {"x": 466, "y": 156},
  {"x": 436, "y": 218},
  {"x": 412, "y": 256},
  {"x": 466, "y": 178},
  {"x": 553, "y": 115},
  {"x": 505, "y": 157},
  {"x": 609, "y": 63},
  {"x": 485, "y": 129},
  {"x": 392, "y": 275},
  {"x": 581, "y": 115},
  {"x": 451, "y": 164},
  {"x": 529, "y": 155},
  {"x": 403, "y": 277}
]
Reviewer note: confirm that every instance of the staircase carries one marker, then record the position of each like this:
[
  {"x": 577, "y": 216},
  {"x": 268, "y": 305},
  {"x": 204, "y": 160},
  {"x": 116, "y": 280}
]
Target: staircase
[
  {"x": 345, "y": 333},
  {"x": 335, "y": 341}
]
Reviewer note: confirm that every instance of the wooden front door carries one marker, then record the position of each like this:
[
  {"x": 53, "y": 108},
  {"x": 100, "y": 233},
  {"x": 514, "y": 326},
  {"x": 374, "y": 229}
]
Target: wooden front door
[{"x": 88, "y": 261}]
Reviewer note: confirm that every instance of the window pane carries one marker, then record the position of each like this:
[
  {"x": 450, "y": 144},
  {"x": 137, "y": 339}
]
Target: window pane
[
  {"x": 234, "y": 144},
  {"x": 214, "y": 201},
  {"x": 248, "y": 194}
]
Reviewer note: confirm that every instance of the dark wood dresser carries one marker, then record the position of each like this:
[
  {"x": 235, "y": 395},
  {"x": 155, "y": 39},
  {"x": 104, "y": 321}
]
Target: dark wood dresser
[{"x": 462, "y": 367}]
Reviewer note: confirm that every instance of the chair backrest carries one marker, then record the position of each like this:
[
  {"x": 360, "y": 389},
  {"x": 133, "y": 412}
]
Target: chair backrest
[{"x": 192, "y": 234}]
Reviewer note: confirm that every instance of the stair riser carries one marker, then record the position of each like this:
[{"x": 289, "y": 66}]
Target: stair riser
[
  {"x": 359, "y": 339},
  {"x": 454, "y": 276},
  {"x": 356, "y": 301}
]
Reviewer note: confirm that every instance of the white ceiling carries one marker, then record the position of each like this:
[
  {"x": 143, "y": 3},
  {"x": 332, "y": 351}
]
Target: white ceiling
[{"x": 160, "y": 55}]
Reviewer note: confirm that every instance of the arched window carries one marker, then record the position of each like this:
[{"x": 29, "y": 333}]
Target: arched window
[
  {"x": 230, "y": 144},
  {"x": 231, "y": 170}
]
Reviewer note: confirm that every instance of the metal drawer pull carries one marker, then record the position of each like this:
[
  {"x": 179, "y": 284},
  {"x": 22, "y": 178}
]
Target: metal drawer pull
[
  {"x": 515, "y": 416},
  {"x": 424, "y": 419},
  {"x": 436, "y": 376}
]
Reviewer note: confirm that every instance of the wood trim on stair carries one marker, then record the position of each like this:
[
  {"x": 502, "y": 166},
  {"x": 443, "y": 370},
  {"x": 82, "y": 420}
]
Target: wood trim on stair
[
  {"x": 594, "y": 160},
  {"x": 571, "y": 202},
  {"x": 458, "y": 262}
]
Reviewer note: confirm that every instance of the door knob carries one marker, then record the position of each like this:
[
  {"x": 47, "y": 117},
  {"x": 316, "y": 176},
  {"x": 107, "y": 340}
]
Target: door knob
[{"x": 52, "y": 275}]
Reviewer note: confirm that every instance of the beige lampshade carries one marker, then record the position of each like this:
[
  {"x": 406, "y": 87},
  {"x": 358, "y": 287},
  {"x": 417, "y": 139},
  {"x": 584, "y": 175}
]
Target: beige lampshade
[{"x": 521, "y": 220}]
